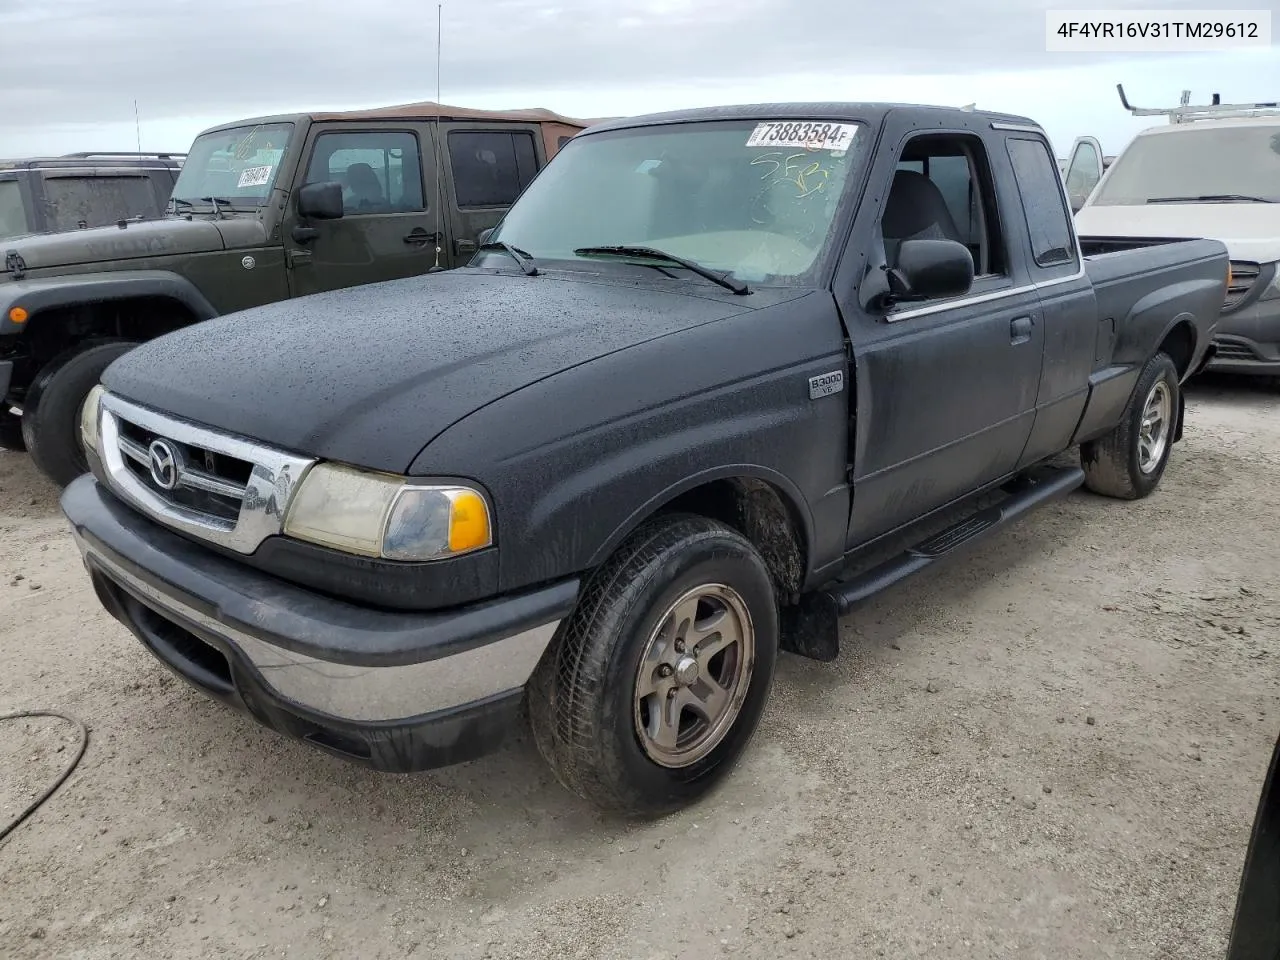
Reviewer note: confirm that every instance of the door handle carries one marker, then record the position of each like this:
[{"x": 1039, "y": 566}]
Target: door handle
[
  {"x": 419, "y": 236},
  {"x": 1020, "y": 330}
]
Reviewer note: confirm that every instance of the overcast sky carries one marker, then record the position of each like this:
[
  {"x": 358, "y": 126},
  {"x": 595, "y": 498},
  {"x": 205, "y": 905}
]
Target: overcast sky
[{"x": 73, "y": 68}]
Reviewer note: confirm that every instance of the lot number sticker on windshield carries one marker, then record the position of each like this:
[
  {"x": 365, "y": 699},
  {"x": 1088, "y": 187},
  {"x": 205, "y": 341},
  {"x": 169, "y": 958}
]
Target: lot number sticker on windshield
[
  {"x": 254, "y": 177},
  {"x": 803, "y": 134}
]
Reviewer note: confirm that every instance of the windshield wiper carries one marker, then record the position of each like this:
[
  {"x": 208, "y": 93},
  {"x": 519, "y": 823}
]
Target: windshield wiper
[
  {"x": 1212, "y": 198},
  {"x": 515, "y": 253},
  {"x": 215, "y": 201},
  {"x": 218, "y": 203},
  {"x": 725, "y": 278}
]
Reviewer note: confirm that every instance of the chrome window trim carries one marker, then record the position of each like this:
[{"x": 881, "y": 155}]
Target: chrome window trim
[{"x": 274, "y": 478}]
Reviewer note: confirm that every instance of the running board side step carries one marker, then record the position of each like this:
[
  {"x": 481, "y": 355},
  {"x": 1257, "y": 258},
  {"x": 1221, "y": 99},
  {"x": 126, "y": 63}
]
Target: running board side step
[{"x": 811, "y": 628}]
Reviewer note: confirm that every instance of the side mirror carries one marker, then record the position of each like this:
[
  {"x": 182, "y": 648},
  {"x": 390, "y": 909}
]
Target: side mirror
[
  {"x": 931, "y": 269},
  {"x": 321, "y": 201},
  {"x": 484, "y": 237}
]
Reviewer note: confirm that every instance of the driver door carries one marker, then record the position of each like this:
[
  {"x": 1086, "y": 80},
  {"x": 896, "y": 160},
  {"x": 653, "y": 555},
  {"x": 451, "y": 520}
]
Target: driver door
[{"x": 390, "y": 225}]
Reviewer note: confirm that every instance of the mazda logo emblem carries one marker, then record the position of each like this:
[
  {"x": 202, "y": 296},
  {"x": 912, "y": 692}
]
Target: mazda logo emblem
[{"x": 166, "y": 464}]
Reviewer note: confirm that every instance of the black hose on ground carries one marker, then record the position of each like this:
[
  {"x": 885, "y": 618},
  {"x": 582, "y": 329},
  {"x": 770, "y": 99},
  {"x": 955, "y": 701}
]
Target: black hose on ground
[{"x": 84, "y": 742}]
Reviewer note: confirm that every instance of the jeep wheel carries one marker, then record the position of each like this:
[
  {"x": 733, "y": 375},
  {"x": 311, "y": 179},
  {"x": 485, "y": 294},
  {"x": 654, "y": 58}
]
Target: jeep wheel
[
  {"x": 1130, "y": 460},
  {"x": 51, "y": 408},
  {"x": 11, "y": 431},
  {"x": 656, "y": 682}
]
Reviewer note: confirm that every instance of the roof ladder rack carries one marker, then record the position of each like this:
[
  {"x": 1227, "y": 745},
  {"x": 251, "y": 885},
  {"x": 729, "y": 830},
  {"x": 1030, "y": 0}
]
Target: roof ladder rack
[{"x": 1186, "y": 112}]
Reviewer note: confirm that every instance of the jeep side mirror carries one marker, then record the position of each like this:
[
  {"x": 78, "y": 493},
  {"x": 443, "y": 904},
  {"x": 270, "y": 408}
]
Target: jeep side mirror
[
  {"x": 321, "y": 201},
  {"x": 484, "y": 237},
  {"x": 931, "y": 269}
]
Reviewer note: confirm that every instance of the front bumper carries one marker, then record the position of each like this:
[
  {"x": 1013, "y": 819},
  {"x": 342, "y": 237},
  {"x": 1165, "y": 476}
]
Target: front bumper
[
  {"x": 398, "y": 692},
  {"x": 1248, "y": 340}
]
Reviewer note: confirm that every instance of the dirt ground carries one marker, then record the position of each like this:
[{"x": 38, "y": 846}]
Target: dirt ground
[{"x": 1051, "y": 748}]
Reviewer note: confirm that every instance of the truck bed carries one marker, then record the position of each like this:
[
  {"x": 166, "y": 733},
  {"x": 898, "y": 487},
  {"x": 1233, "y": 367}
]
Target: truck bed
[{"x": 1132, "y": 277}]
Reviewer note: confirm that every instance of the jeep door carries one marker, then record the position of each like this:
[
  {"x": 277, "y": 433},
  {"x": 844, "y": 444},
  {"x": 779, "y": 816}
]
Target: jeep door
[
  {"x": 488, "y": 164},
  {"x": 946, "y": 389},
  {"x": 1085, "y": 167},
  {"x": 390, "y": 222}
]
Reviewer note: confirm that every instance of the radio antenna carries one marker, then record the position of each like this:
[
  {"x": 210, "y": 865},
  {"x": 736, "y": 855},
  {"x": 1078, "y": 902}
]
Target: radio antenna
[
  {"x": 137, "y": 125},
  {"x": 439, "y": 157}
]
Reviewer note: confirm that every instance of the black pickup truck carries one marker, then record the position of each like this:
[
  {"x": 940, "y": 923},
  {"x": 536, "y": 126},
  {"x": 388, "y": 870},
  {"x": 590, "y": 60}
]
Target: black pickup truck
[{"x": 716, "y": 376}]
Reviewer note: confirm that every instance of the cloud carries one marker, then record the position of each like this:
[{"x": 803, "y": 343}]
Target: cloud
[
  {"x": 191, "y": 56},
  {"x": 190, "y": 63}
]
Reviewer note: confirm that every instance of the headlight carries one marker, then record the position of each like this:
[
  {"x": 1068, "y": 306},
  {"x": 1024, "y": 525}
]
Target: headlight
[
  {"x": 89, "y": 418},
  {"x": 385, "y": 515},
  {"x": 1273, "y": 288}
]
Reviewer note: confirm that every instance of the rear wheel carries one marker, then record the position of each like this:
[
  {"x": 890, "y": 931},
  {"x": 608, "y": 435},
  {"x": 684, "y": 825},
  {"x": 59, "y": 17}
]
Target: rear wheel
[
  {"x": 1130, "y": 460},
  {"x": 656, "y": 682},
  {"x": 51, "y": 408}
]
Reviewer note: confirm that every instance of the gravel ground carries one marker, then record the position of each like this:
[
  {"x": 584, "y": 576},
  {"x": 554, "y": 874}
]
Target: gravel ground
[{"x": 1050, "y": 748}]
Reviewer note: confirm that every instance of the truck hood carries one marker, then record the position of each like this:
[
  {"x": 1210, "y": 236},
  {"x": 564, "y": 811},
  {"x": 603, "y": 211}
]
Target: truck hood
[
  {"x": 140, "y": 238},
  {"x": 369, "y": 375},
  {"x": 1250, "y": 231}
]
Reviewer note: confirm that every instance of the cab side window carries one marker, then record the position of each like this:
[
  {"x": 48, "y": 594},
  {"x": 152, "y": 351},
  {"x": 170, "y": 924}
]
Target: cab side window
[
  {"x": 380, "y": 172},
  {"x": 490, "y": 169},
  {"x": 1048, "y": 220},
  {"x": 942, "y": 189}
]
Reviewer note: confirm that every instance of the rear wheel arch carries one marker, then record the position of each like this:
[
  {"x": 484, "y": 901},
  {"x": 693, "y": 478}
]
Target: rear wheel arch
[{"x": 1179, "y": 342}]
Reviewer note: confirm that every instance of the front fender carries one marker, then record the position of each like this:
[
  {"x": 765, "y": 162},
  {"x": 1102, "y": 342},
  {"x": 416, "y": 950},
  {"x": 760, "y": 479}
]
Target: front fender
[
  {"x": 574, "y": 461},
  {"x": 46, "y": 293}
]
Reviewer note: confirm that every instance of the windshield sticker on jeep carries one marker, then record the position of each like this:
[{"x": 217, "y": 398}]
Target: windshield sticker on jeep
[
  {"x": 254, "y": 177},
  {"x": 806, "y": 135}
]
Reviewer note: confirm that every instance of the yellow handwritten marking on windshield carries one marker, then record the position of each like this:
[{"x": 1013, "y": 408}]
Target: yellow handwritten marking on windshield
[{"x": 809, "y": 179}]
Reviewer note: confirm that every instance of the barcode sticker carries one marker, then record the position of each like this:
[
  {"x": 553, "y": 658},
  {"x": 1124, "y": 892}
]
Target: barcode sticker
[{"x": 806, "y": 135}]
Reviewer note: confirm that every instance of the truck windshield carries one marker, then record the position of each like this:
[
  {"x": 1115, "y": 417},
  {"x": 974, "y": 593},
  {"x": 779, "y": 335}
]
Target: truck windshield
[
  {"x": 1222, "y": 164},
  {"x": 756, "y": 200},
  {"x": 237, "y": 166},
  {"x": 13, "y": 215}
]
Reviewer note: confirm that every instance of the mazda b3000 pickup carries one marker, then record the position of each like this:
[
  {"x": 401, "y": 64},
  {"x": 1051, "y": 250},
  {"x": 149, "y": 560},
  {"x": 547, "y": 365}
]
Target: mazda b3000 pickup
[{"x": 715, "y": 377}]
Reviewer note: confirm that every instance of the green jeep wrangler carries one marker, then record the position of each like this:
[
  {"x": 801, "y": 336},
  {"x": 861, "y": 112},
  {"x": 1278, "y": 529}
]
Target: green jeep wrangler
[{"x": 263, "y": 210}]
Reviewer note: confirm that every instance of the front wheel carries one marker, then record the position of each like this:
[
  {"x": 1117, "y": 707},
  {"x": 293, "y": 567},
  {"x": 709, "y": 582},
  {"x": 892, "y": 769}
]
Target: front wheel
[
  {"x": 51, "y": 408},
  {"x": 656, "y": 682},
  {"x": 1129, "y": 461}
]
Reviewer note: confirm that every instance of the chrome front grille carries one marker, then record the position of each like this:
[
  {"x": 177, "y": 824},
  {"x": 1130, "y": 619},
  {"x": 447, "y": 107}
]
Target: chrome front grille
[
  {"x": 211, "y": 485},
  {"x": 1244, "y": 274}
]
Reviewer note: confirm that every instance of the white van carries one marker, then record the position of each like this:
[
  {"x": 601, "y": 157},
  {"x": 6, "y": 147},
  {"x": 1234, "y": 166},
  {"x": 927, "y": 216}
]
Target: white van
[{"x": 1217, "y": 178}]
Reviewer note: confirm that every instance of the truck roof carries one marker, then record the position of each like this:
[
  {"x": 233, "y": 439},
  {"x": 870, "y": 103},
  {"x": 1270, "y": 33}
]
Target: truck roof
[
  {"x": 424, "y": 110},
  {"x": 820, "y": 110},
  {"x": 90, "y": 159},
  {"x": 1217, "y": 123}
]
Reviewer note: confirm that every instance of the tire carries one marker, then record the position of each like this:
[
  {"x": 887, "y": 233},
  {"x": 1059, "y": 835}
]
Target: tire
[
  {"x": 1125, "y": 463},
  {"x": 11, "y": 431},
  {"x": 51, "y": 408},
  {"x": 584, "y": 700}
]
